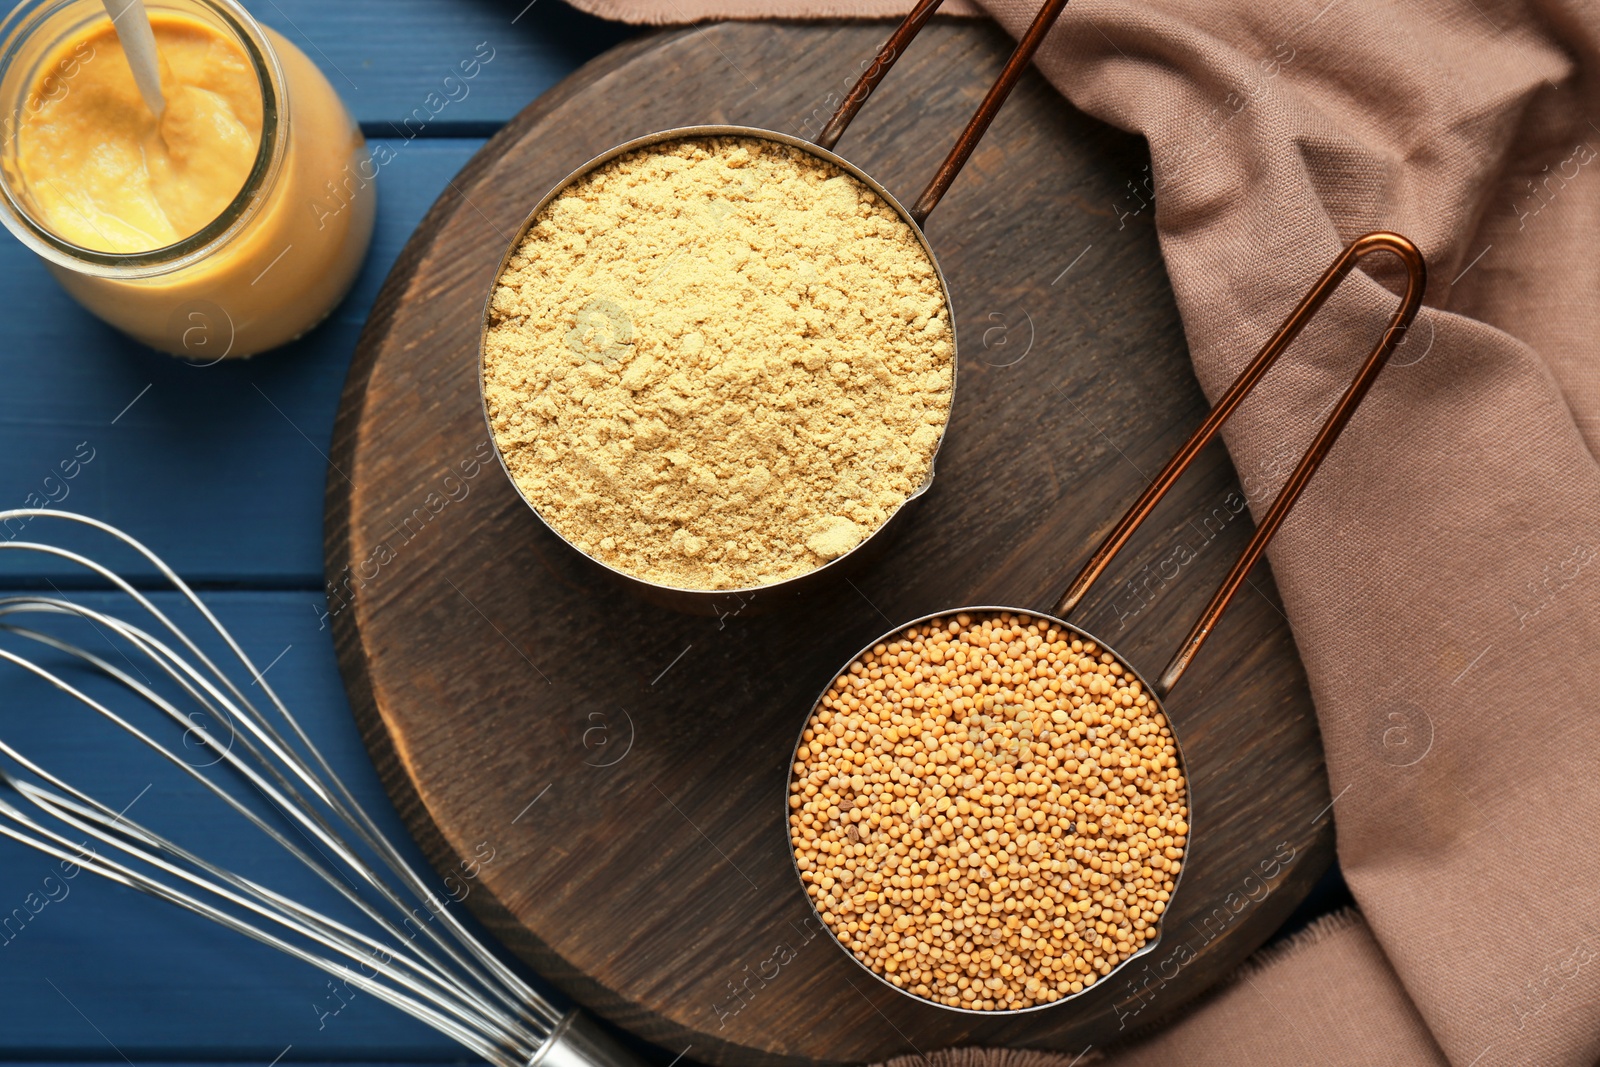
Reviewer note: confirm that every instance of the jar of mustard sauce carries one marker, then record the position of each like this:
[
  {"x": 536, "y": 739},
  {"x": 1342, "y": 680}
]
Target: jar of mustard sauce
[{"x": 230, "y": 224}]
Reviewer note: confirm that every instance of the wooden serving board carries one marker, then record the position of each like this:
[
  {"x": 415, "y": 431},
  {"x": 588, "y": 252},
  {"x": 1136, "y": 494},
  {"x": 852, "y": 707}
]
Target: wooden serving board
[{"x": 604, "y": 779}]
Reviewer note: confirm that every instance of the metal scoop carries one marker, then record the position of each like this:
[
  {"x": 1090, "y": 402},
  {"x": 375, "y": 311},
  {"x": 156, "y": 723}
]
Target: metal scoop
[
  {"x": 715, "y": 601},
  {"x": 1411, "y": 301}
]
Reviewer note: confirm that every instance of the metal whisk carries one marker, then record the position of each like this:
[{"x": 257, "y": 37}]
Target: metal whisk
[{"x": 401, "y": 943}]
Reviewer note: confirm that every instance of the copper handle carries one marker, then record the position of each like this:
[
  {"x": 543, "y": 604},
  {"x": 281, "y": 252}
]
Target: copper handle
[
  {"x": 968, "y": 141},
  {"x": 1416, "y": 281}
]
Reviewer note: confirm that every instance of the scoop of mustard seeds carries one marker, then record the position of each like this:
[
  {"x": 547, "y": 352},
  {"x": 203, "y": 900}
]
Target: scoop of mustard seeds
[
  {"x": 718, "y": 363},
  {"x": 989, "y": 812}
]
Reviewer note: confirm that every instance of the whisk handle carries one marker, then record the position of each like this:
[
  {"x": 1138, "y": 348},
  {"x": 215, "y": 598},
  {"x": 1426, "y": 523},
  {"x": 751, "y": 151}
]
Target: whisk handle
[{"x": 578, "y": 1041}]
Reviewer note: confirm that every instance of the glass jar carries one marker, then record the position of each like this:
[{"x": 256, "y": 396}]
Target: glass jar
[{"x": 277, "y": 259}]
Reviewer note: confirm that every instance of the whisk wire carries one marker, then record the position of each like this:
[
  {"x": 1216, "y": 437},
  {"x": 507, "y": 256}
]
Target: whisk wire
[
  {"x": 329, "y": 788},
  {"x": 327, "y": 935},
  {"x": 300, "y": 811},
  {"x": 87, "y": 808},
  {"x": 65, "y": 850},
  {"x": 418, "y": 957}
]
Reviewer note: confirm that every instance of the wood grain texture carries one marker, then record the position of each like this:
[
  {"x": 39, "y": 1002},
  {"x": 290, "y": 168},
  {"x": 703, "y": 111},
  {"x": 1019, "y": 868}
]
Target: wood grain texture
[{"x": 627, "y": 764}]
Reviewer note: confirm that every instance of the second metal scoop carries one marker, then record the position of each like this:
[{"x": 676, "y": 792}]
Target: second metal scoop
[{"x": 1416, "y": 281}]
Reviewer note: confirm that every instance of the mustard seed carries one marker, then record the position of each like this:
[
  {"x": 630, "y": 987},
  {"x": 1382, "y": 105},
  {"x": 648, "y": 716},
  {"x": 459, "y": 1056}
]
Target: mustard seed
[{"x": 988, "y": 811}]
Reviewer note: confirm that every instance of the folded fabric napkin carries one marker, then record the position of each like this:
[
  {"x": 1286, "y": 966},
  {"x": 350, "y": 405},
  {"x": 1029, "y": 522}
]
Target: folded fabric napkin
[{"x": 1442, "y": 572}]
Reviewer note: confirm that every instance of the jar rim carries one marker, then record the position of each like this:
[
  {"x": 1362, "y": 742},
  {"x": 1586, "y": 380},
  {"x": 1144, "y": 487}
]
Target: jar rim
[{"x": 24, "y": 20}]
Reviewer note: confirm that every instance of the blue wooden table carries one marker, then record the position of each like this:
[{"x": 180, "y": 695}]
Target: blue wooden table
[{"x": 220, "y": 469}]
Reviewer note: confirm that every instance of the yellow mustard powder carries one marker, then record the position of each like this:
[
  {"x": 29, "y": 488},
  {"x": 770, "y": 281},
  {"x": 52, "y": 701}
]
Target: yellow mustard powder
[{"x": 718, "y": 363}]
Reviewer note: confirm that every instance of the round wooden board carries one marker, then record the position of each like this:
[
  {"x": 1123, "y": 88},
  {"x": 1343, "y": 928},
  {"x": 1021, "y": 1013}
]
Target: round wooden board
[{"x": 623, "y": 765}]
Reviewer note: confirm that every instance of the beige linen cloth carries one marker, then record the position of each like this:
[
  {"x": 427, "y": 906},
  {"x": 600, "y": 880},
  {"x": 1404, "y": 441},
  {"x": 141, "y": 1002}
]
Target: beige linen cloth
[{"x": 1442, "y": 572}]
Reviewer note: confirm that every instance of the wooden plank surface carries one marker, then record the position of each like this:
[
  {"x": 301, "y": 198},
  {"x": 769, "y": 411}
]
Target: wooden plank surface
[
  {"x": 483, "y": 657},
  {"x": 385, "y": 57},
  {"x": 232, "y": 454}
]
